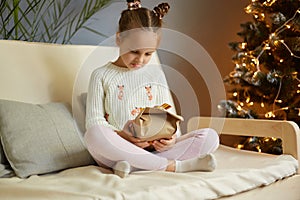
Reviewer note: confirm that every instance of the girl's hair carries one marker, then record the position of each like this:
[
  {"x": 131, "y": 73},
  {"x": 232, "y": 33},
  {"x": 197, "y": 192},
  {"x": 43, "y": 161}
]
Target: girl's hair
[{"x": 139, "y": 17}]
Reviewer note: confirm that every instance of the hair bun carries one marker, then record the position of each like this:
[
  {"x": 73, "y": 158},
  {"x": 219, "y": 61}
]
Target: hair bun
[
  {"x": 161, "y": 10},
  {"x": 133, "y": 4}
]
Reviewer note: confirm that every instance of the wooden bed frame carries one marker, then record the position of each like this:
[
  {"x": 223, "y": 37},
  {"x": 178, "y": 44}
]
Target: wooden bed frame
[{"x": 288, "y": 131}]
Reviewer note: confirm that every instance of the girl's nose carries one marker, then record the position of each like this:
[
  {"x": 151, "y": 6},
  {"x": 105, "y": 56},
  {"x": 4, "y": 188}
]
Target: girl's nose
[{"x": 139, "y": 59}]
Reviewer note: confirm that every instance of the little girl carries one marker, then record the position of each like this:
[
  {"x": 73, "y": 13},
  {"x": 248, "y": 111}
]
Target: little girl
[{"x": 117, "y": 91}]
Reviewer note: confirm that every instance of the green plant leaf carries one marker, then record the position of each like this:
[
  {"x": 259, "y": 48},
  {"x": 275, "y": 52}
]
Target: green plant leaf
[
  {"x": 94, "y": 31},
  {"x": 47, "y": 21}
]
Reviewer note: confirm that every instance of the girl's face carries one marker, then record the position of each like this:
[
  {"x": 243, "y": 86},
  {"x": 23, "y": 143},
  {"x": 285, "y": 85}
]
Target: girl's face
[{"x": 136, "y": 48}]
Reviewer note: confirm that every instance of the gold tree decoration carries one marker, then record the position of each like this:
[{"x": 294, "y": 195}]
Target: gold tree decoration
[
  {"x": 52, "y": 21},
  {"x": 265, "y": 82}
]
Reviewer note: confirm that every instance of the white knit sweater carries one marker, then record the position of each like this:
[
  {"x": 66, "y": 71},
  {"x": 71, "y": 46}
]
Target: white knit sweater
[{"x": 115, "y": 94}]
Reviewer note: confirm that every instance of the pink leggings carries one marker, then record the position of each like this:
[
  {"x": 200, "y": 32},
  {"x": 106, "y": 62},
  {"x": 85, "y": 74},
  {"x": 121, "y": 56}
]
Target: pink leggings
[{"x": 107, "y": 147}]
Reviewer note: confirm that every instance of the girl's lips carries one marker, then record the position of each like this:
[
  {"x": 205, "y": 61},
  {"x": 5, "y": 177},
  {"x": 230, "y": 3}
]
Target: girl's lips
[{"x": 136, "y": 65}]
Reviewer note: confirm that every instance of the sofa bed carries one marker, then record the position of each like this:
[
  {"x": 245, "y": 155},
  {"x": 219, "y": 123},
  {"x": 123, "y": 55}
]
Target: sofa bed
[{"x": 43, "y": 155}]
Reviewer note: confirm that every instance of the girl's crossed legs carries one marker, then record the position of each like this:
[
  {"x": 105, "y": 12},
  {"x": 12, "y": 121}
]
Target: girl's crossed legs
[{"x": 190, "y": 151}]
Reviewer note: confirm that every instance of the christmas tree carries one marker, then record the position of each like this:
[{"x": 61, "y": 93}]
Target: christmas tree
[{"x": 265, "y": 82}]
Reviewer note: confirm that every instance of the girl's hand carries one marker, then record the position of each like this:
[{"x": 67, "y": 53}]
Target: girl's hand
[
  {"x": 133, "y": 139},
  {"x": 127, "y": 134},
  {"x": 142, "y": 144},
  {"x": 164, "y": 144}
]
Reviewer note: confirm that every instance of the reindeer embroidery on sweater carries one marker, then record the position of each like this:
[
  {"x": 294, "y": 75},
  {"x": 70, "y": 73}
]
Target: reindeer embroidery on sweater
[
  {"x": 121, "y": 92},
  {"x": 135, "y": 111},
  {"x": 149, "y": 93}
]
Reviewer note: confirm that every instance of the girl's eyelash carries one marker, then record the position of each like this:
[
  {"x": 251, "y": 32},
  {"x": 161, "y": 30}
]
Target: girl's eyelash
[{"x": 136, "y": 52}]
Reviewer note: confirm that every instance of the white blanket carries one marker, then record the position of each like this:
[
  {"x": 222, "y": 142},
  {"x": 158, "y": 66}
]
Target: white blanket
[{"x": 237, "y": 171}]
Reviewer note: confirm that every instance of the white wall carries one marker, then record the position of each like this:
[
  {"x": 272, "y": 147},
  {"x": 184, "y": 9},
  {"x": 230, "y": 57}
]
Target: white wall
[{"x": 211, "y": 23}]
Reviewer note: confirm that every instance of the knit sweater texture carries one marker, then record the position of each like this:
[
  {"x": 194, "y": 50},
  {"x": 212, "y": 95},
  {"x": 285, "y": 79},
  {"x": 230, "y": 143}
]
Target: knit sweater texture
[{"x": 116, "y": 94}]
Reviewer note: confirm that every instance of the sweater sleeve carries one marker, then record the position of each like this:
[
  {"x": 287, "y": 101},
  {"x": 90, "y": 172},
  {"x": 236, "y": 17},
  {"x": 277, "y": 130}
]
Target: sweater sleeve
[{"x": 95, "y": 106}]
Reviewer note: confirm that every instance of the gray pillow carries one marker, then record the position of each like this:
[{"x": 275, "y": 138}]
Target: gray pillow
[
  {"x": 5, "y": 169},
  {"x": 3, "y": 159},
  {"x": 39, "y": 139}
]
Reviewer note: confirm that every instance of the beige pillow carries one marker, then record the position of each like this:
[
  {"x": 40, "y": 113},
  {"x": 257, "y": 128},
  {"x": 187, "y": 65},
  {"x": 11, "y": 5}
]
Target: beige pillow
[{"x": 39, "y": 139}]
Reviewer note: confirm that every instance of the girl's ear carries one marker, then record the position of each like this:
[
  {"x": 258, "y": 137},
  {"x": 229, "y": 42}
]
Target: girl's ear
[{"x": 118, "y": 38}]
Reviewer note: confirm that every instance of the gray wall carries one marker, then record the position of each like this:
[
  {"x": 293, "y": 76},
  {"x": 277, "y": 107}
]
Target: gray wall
[{"x": 211, "y": 23}]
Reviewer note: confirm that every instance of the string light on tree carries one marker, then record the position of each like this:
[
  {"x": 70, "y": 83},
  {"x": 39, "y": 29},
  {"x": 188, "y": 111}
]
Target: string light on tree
[
  {"x": 269, "y": 2},
  {"x": 265, "y": 81}
]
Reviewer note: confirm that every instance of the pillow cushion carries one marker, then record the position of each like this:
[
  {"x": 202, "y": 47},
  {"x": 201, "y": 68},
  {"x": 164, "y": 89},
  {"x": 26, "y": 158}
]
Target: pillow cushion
[
  {"x": 42, "y": 138},
  {"x": 5, "y": 169},
  {"x": 2, "y": 156}
]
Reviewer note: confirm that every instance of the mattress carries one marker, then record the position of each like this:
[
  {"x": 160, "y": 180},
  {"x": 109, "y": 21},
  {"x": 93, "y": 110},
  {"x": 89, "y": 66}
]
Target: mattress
[{"x": 237, "y": 171}]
